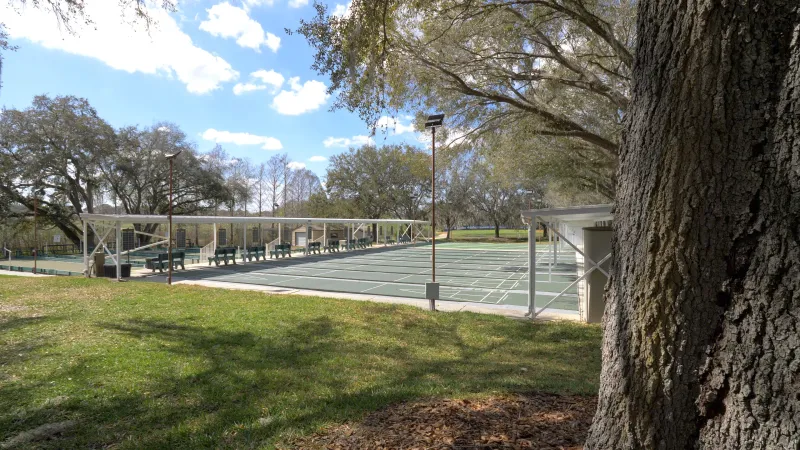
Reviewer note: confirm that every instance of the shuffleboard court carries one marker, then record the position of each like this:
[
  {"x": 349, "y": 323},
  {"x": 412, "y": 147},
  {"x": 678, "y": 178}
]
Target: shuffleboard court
[{"x": 485, "y": 275}]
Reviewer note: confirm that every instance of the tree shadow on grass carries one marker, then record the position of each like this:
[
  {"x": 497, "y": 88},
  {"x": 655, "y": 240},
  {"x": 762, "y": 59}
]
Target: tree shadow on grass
[{"x": 241, "y": 389}]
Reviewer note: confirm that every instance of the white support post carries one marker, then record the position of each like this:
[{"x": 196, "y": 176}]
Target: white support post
[
  {"x": 532, "y": 268},
  {"x": 550, "y": 233},
  {"x": 555, "y": 248},
  {"x": 244, "y": 243},
  {"x": 397, "y": 242},
  {"x": 214, "y": 227},
  {"x": 118, "y": 248},
  {"x": 85, "y": 249},
  {"x": 280, "y": 233},
  {"x": 352, "y": 236},
  {"x": 324, "y": 234}
]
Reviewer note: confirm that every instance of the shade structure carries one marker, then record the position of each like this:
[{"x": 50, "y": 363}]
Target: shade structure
[
  {"x": 90, "y": 220},
  {"x": 568, "y": 225},
  {"x": 143, "y": 218}
]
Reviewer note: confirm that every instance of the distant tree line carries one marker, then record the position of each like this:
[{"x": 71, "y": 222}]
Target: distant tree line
[
  {"x": 394, "y": 181},
  {"x": 61, "y": 153}
]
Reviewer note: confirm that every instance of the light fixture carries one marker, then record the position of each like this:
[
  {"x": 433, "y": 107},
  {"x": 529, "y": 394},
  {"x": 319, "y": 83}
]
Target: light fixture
[{"x": 432, "y": 288}]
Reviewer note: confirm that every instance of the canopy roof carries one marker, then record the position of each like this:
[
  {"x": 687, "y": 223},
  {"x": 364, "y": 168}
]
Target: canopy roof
[
  {"x": 571, "y": 214},
  {"x": 140, "y": 218}
]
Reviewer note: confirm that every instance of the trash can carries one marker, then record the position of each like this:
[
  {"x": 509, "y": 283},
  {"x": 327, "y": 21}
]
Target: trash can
[
  {"x": 99, "y": 264},
  {"x": 110, "y": 270}
]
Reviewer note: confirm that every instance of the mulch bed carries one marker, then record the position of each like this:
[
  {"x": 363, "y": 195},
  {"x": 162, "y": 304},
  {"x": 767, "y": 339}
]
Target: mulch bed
[{"x": 540, "y": 421}]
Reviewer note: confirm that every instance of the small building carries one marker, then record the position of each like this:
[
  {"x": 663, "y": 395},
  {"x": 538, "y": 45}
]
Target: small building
[{"x": 300, "y": 234}]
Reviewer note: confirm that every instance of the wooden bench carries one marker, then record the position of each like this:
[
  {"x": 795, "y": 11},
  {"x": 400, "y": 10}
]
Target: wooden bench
[
  {"x": 281, "y": 250},
  {"x": 161, "y": 262},
  {"x": 255, "y": 252},
  {"x": 222, "y": 253},
  {"x": 333, "y": 246},
  {"x": 315, "y": 247}
]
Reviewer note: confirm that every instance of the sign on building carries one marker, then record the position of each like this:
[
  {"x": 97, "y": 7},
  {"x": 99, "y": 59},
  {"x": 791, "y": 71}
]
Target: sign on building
[{"x": 222, "y": 237}]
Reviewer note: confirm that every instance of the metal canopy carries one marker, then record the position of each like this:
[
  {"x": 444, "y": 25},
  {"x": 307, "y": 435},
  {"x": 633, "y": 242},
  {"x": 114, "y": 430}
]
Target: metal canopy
[
  {"x": 571, "y": 214},
  {"x": 559, "y": 220},
  {"x": 141, "y": 218}
]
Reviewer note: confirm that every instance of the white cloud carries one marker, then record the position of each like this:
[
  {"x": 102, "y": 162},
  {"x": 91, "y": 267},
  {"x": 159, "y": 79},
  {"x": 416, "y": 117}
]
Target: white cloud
[
  {"x": 297, "y": 3},
  {"x": 394, "y": 126},
  {"x": 228, "y": 21},
  {"x": 302, "y": 98},
  {"x": 341, "y": 10},
  {"x": 355, "y": 141},
  {"x": 294, "y": 165},
  {"x": 241, "y": 88},
  {"x": 269, "y": 77},
  {"x": 317, "y": 159},
  {"x": 226, "y": 137},
  {"x": 164, "y": 50},
  {"x": 259, "y": 2}
]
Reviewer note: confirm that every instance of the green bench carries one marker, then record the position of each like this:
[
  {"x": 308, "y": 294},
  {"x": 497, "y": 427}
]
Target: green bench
[
  {"x": 223, "y": 253},
  {"x": 387, "y": 240},
  {"x": 281, "y": 250},
  {"x": 363, "y": 243},
  {"x": 255, "y": 252},
  {"x": 351, "y": 244},
  {"x": 315, "y": 247},
  {"x": 161, "y": 262},
  {"x": 405, "y": 239},
  {"x": 333, "y": 246}
]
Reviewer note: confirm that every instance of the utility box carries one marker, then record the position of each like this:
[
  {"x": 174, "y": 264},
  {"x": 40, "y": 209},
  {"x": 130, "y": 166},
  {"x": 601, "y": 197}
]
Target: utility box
[
  {"x": 596, "y": 246},
  {"x": 432, "y": 291},
  {"x": 99, "y": 262}
]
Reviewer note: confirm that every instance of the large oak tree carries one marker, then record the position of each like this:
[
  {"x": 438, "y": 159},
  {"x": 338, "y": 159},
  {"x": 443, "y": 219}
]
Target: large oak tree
[
  {"x": 554, "y": 69},
  {"x": 702, "y": 327}
]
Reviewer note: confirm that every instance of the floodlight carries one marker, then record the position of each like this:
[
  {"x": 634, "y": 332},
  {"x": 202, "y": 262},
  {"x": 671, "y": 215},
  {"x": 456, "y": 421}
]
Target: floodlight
[
  {"x": 172, "y": 155},
  {"x": 434, "y": 121}
]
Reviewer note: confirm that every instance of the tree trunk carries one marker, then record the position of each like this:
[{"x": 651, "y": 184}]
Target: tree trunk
[
  {"x": 496, "y": 229},
  {"x": 701, "y": 345}
]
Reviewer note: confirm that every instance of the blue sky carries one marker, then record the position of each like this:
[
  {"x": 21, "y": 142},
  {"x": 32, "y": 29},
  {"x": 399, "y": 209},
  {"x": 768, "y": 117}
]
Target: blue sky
[{"x": 224, "y": 71}]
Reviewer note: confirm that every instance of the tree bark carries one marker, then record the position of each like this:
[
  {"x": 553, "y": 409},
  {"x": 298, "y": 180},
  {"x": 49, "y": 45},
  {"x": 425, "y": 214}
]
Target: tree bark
[
  {"x": 497, "y": 229},
  {"x": 701, "y": 330}
]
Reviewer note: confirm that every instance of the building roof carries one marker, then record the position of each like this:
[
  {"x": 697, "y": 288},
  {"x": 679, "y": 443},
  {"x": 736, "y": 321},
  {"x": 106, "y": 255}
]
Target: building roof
[
  {"x": 572, "y": 213},
  {"x": 138, "y": 218}
]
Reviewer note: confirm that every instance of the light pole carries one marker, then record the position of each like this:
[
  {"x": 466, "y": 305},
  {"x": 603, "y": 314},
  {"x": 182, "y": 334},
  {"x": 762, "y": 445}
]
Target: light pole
[
  {"x": 433, "y": 122},
  {"x": 35, "y": 233},
  {"x": 171, "y": 157}
]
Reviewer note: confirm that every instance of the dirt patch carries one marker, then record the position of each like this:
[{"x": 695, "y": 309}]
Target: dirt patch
[{"x": 533, "y": 421}]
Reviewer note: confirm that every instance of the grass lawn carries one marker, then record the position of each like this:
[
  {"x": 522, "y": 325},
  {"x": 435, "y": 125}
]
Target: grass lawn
[{"x": 139, "y": 365}]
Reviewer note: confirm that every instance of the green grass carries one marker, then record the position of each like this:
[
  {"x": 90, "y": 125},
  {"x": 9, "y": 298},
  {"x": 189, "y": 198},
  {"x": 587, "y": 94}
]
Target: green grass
[
  {"x": 488, "y": 235},
  {"x": 139, "y": 365}
]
